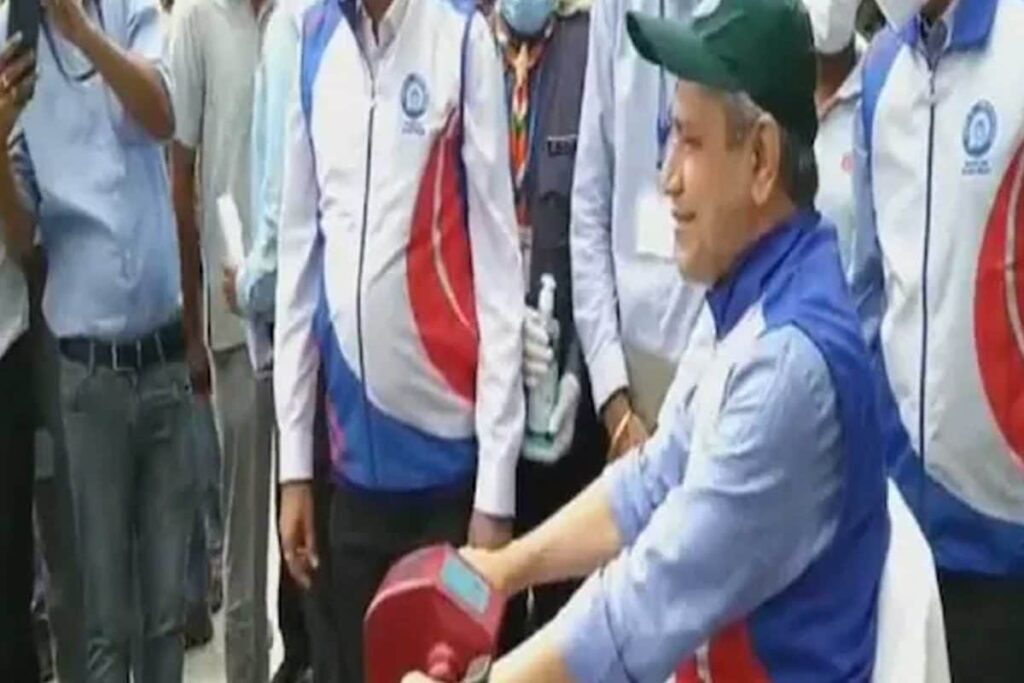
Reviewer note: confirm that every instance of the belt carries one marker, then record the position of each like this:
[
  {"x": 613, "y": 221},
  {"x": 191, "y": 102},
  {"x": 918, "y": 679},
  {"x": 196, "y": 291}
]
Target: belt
[{"x": 166, "y": 344}]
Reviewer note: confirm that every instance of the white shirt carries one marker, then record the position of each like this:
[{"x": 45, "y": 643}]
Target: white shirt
[
  {"x": 833, "y": 149},
  {"x": 13, "y": 301},
  {"x": 214, "y": 52},
  {"x": 623, "y": 297},
  {"x": 374, "y": 46}
]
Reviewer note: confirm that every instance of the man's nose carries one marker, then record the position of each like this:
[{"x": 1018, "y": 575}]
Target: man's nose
[{"x": 671, "y": 179}]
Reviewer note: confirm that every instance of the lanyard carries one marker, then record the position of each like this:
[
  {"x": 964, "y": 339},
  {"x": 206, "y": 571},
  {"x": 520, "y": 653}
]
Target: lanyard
[
  {"x": 663, "y": 126},
  {"x": 88, "y": 73}
]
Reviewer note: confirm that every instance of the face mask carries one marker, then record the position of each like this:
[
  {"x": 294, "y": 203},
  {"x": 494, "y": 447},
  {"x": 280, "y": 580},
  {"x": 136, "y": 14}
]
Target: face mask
[
  {"x": 526, "y": 17},
  {"x": 832, "y": 22},
  {"x": 899, "y": 12}
]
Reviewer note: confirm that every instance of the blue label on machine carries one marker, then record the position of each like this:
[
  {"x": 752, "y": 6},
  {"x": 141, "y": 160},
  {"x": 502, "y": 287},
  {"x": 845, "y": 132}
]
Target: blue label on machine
[{"x": 465, "y": 585}]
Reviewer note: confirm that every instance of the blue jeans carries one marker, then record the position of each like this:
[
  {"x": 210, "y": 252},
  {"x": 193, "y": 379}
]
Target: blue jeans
[
  {"x": 133, "y": 491},
  {"x": 207, "y": 539}
]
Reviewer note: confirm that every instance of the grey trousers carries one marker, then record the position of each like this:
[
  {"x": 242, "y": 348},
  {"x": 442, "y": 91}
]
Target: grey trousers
[
  {"x": 133, "y": 491},
  {"x": 245, "y": 422}
]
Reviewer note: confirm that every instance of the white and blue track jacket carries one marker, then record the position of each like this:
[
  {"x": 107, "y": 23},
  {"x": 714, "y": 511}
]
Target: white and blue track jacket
[
  {"x": 939, "y": 274},
  {"x": 399, "y": 268}
]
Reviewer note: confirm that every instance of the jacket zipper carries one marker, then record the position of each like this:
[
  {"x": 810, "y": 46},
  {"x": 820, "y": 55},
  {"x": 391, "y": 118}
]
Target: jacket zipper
[
  {"x": 933, "y": 61},
  {"x": 359, "y": 275}
]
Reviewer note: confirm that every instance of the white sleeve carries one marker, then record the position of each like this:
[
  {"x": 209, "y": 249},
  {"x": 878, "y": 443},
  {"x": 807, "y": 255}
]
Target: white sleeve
[
  {"x": 595, "y": 301},
  {"x": 300, "y": 268},
  {"x": 187, "y": 73},
  {"x": 498, "y": 280}
]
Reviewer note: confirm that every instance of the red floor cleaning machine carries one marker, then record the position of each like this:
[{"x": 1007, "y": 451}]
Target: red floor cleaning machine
[{"x": 435, "y": 614}]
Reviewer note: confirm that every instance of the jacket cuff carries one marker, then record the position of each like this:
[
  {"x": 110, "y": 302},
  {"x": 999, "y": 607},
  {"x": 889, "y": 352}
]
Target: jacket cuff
[
  {"x": 296, "y": 456},
  {"x": 607, "y": 374},
  {"x": 496, "y": 487}
]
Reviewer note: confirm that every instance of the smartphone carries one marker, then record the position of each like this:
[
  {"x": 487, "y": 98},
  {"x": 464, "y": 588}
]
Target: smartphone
[{"x": 23, "y": 17}]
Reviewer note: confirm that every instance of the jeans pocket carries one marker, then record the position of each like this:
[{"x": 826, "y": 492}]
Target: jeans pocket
[{"x": 164, "y": 402}]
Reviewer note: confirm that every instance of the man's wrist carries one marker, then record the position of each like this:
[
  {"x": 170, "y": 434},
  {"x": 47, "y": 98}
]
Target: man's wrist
[
  {"x": 89, "y": 39},
  {"x": 515, "y": 564},
  {"x": 613, "y": 411}
]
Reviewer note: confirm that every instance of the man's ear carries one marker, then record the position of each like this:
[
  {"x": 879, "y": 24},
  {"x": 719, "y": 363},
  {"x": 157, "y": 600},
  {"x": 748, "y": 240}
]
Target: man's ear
[{"x": 767, "y": 158}]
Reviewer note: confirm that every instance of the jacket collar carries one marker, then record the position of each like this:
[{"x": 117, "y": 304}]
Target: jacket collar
[
  {"x": 972, "y": 22},
  {"x": 733, "y": 295}
]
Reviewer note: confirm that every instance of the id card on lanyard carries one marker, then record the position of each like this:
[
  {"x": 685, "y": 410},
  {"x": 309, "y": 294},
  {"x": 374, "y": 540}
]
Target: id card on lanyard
[{"x": 653, "y": 218}]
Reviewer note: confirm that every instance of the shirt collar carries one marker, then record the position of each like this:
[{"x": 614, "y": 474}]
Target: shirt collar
[
  {"x": 387, "y": 30},
  {"x": 970, "y": 23},
  {"x": 732, "y": 296}
]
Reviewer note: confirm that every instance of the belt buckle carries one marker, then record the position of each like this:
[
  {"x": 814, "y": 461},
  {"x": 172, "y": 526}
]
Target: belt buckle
[{"x": 119, "y": 364}]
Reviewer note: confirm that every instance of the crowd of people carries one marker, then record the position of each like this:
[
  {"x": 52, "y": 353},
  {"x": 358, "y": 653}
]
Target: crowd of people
[{"x": 696, "y": 299}]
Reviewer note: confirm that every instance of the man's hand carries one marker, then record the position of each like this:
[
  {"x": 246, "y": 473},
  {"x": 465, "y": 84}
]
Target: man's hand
[
  {"x": 537, "y": 352},
  {"x": 562, "y": 424},
  {"x": 197, "y": 357},
  {"x": 70, "y": 18},
  {"x": 489, "y": 532},
  {"x": 298, "y": 538},
  {"x": 230, "y": 287},
  {"x": 17, "y": 83},
  {"x": 625, "y": 429},
  {"x": 492, "y": 565}
]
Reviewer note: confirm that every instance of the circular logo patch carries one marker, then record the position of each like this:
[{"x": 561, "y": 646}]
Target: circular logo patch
[
  {"x": 980, "y": 129},
  {"x": 415, "y": 98}
]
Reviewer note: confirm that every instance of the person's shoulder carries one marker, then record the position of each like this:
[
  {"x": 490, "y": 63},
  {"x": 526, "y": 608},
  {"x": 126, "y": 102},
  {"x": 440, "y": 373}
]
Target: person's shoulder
[
  {"x": 788, "y": 346},
  {"x": 191, "y": 13}
]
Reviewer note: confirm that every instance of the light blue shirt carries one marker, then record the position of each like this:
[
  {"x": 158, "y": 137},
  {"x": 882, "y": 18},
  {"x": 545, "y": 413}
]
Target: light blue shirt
[
  {"x": 708, "y": 542},
  {"x": 97, "y": 183},
  {"x": 277, "y": 75}
]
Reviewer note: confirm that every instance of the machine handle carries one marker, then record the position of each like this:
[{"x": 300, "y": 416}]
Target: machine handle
[{"x": 442, "y": 663}]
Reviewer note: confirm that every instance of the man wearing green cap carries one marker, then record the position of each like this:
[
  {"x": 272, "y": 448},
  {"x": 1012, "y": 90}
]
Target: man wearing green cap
[{"x": 745, "y": 540}]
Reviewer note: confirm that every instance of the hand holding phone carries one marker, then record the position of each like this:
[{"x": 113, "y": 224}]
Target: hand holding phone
[
  {"x": 23, "y": 19},
  {"x": 17, "y": 83}
]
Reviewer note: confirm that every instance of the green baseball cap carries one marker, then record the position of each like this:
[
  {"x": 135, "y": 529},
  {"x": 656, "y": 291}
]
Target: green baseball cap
[{"x": 763, "y": 48}]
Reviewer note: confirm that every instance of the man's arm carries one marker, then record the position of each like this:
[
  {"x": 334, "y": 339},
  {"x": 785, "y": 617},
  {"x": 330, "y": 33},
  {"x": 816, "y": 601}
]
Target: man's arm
[
  {"x": 602, "y": 520},
  {"x": 300, "y": 268},
  {"x": 867, "y": 285},
  {"x": 19, "y": 195},
  {"x": 864, "y": 270},
  {"x": 500, "y": 300},
  {"x": 187, "y": 73},
  {"x": 763, "y": 506},
  {"x": 296, "y": 361},
  {"x": 134, "y": 73},
  {"x": 594, "y": 294},
  {"x": 186, "y": 208}
]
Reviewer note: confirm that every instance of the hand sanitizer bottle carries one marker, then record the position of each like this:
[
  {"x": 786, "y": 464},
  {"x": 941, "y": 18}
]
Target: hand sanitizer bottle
[{"x": 540, "y": 400}]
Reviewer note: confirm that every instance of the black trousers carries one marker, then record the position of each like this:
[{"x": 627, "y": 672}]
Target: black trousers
[
  {"x": 17, "y": 478},
  {"x": 541, "y": 491},
  {"x": 984, "y": 627},
  {"x": 369, "y": 533}
]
